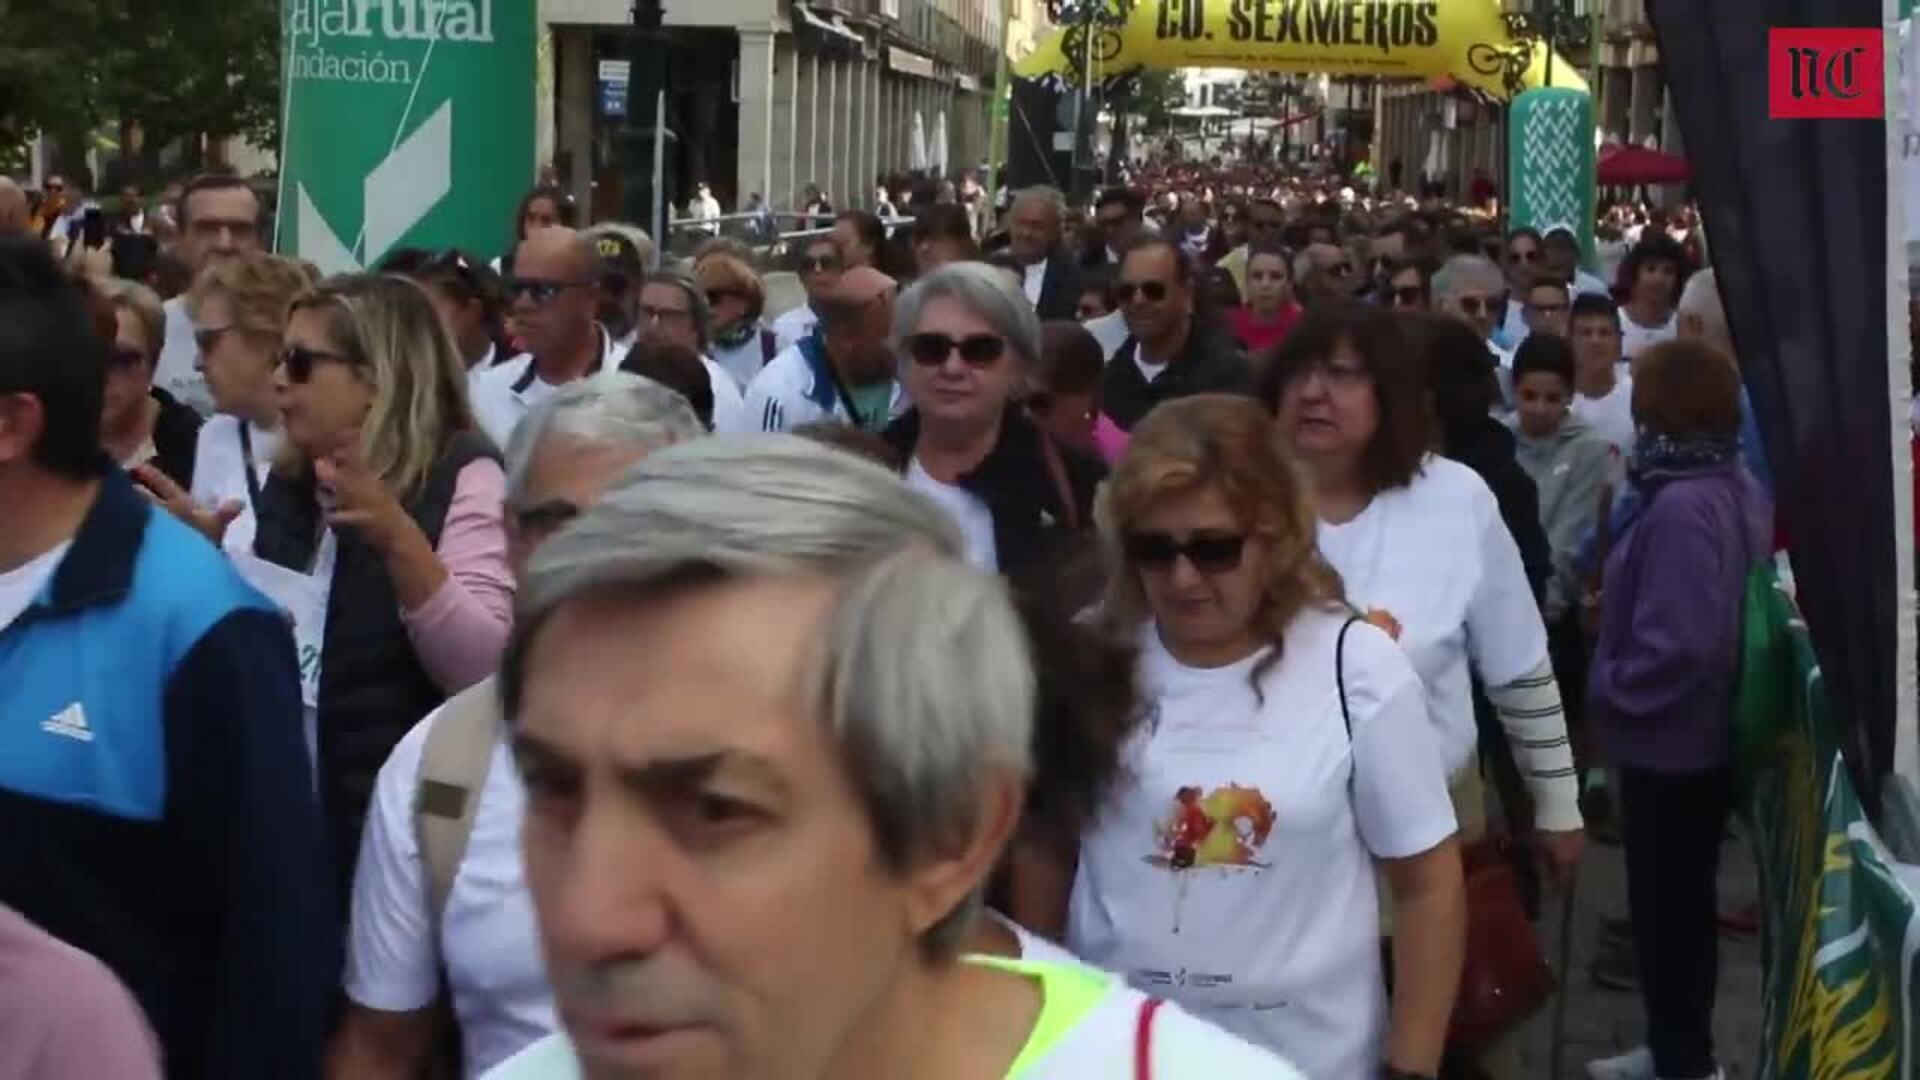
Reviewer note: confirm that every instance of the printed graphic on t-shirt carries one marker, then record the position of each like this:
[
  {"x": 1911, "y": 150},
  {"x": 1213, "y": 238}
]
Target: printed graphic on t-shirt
[
  {"x": 1384, "y": 619},
  {"x": 1226, "y": 828}
]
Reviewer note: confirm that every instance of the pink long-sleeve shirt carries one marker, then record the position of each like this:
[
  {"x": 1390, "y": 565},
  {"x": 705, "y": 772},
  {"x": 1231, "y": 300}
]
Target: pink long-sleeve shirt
[{"x": 461, "y": 630}]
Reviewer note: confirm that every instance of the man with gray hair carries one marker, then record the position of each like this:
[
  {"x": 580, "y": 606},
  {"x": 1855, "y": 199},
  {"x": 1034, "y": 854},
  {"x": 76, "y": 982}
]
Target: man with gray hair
[
  {"x": 674, "y": 311},
  {"x": 1049, "y": 276},
  {"x": 763, "y": 861},
  {"x": 439, "y": 885},
  {"x": 1472, "y": 288}
]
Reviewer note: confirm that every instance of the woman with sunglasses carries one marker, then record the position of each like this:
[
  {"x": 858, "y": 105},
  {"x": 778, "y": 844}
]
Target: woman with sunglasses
[
  {"x": 968, "y": 340},
  {"x": 390, "y": 498},
  {"x": 140, "y": 423},
  {"x": 1409, "y": 284},
  {"x": 736, "y": 297},
  {"x": 1287, "y": 754},
  {"x": 239, "y": 310}
]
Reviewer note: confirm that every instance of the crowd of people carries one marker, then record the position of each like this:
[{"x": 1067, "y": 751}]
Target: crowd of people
[{"x": 1091, "y": 642}]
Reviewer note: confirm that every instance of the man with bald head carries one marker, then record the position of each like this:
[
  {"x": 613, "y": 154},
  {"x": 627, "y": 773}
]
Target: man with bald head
[
  {"x": 553, "y": 296},
  {"x": 1049, "y": 276},
  {"x": 15, "y": 218},
  {"x": 844, "y": 373}
]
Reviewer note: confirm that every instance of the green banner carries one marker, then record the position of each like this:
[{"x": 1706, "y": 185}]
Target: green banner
[
  {"x": 1842, "y": 989},
  {"x": 1551, "y": 155},
  {"x": 405, "y": 123}
]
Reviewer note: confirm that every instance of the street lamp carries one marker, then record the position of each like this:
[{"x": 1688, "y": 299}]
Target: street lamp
[
  {"x": 646, "y": 198},
  {"x": 1092, "y": 37},
  {"x": 1552, "y": 23}
]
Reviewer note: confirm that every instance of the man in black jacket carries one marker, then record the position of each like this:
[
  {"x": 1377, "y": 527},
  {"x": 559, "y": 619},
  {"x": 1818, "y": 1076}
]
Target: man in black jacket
[
  {"x": 1119, "y": 217},
  {"x": 1169, "y": 352},
  {"x": 1049, "y": 277}
]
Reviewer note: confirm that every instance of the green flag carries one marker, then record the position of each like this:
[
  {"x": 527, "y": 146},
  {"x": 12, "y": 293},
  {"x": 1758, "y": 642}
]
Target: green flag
[
  {"x": 406, "y": 123},
  {"x": 1551, "y": 162},
  {"x": 1840, "y": 992}
]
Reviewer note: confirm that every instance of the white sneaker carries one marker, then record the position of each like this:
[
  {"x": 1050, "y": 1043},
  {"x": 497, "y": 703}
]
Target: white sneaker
[{"x": 1635, "y": 1064}]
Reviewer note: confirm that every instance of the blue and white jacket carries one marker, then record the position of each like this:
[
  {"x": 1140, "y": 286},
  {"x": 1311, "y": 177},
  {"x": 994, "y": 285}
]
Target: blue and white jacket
[
  {"x": 797, "y": 388},
  {"x": 157, "y": 806}
]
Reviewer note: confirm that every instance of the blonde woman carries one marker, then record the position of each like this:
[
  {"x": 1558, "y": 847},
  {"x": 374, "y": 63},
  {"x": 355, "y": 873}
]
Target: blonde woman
[
  {"x": 387, "y": 502},
  {"x": 141, "y": 424},
  {"x": 239, "y": 311},
  {"x": 1286, "y": 754}
]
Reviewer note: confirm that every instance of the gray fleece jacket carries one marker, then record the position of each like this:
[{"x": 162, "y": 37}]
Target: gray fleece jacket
[{"x": 1570, "y": 468}]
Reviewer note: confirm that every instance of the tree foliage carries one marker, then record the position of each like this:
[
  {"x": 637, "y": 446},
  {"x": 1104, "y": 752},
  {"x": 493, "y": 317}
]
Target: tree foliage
[
  {"x": 1155, "y": 94},
  {"x": 173, "y": 67}
]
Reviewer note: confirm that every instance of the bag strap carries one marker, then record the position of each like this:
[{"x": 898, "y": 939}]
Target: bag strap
[
  {"x": 1143, "y": 1040},
  {"x": 453, "y": 769},
  {"x": 1057, "y": 470},
  {"x": 1340, "y": 681}
]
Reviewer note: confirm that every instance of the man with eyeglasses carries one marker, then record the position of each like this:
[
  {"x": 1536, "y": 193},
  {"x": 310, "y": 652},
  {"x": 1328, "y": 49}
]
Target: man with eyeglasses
[
  {"x": 842, "y": 373},
  {"x": 1119, "y": 216},
  {"x": 673, "y": 311},
  {"x": 821, "y": 264},
  {"x": 219, "y": 218},
  {"x": 1524, "y": 258},
  {"x": 1548, "y": 305},
  {"x": 553, "y": 297},
  {"x": 1169, "y": 353},
  {"x": 432, "y": 919},
  {"x": 1472, "y": 289}
]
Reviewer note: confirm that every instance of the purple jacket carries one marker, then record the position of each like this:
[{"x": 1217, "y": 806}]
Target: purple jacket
[{"x": 1661, "y": 685}]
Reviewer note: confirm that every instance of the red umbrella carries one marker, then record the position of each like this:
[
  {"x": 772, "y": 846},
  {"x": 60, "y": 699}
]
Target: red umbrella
[{"x": 1629, "y": 166}]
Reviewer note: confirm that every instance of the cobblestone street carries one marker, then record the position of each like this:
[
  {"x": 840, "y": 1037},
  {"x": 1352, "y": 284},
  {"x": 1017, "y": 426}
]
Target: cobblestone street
[{"x": 1594, "y": 1022}]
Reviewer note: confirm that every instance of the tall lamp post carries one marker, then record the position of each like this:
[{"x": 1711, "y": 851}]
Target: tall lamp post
[
  {"x": 1548, "y": 24},
  {"x": 1092, "y": 38},
  {"x": 645, "y": 136}
]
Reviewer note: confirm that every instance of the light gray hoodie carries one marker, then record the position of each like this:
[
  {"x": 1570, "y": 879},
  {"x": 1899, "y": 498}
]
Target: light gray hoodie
[{"x": 1571, "y": 468}]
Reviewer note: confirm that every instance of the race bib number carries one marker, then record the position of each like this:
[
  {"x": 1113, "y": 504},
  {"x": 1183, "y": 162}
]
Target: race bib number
[{"x": 302, "y": 598}]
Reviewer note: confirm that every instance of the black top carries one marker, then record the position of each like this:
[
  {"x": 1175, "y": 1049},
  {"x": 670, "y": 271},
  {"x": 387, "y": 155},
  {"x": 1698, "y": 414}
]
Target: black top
[
  {"x": 176, "y": 436},
  {"x": 1060, "y": 290},
  {"x": 1211, "y": 363},
  {"x": 1487, "y": 447}
]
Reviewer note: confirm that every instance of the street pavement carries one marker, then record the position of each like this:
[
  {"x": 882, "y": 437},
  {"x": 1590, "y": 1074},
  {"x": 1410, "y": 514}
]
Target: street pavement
[{"x": 1594, "y": 1022}]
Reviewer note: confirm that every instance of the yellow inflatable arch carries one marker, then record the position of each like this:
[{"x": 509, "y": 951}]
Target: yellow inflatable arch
[{"x": 1465, "y": 40}]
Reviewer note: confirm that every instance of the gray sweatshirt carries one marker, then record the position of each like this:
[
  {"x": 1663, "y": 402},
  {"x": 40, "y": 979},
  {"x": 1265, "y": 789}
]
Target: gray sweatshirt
[{"x": 1570, "y": 468}]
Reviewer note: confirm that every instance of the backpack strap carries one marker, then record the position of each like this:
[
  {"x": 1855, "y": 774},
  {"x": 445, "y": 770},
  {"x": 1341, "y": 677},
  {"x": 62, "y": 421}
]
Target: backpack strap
[
  {"x": 1143, "y": 1040},
  {"x": 453, "y": 770}
]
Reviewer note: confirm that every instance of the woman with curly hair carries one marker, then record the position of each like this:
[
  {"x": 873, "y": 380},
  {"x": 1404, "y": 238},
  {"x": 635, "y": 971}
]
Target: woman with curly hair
[{"x": 1286, "y": 754}]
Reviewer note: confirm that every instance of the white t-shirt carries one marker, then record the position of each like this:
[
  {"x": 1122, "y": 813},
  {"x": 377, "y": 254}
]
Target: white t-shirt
[
  {"x": 1611, "y": 416},
  {"x": 488, "y": 937},
  {"x": 1034, "y": 279},
  {"x": 1437, "y": 556},
  {"x": 503, "y": 395},
  {"x": 21, "y": 586},
  {"x": 1634, "y": 337},
  {"x": 1148, "y": 370},
  {"x": 1234, "y": 874},
  {"x": 968, "y": 511},
  {"x": 790, "y": 327},
  {"x": 728, "y": 402},
  {"x": 1110, "y": 330},
  {"x": 219, "y": 476},
  {"x": 178, "y": 371}
]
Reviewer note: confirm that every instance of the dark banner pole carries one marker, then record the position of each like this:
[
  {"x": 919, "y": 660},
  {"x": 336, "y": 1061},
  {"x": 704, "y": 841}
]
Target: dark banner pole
[{"x": 1796, "y": 218}]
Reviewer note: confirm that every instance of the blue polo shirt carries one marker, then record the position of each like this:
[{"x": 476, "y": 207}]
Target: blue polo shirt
[{"x": 157, "y": 807}]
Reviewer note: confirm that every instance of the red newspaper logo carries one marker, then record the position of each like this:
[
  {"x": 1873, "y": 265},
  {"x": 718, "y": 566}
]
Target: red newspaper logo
[{"x": 1825, "y": 73}]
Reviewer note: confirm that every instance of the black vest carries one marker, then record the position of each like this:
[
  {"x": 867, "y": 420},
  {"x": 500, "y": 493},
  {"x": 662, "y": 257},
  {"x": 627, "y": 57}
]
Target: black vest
[{"x": 372, "y": 687}]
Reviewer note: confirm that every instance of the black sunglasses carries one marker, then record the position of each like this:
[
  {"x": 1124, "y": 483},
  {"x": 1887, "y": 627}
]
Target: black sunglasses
[
  {"x": 541, "y": 292},
  {"x": 206, "y": 340},
  {"x": 716, "y": 297},
  {"x": 1475, "y": 305},
  {"x": 125, "y": 359},
  {"x": 814, "y": 264},
  {"x": 1209, "y": 553},
  {"x": 1154, "y": 291},
  {"x": 978, "y": 350},
  {"x": 300, "y": 361}
]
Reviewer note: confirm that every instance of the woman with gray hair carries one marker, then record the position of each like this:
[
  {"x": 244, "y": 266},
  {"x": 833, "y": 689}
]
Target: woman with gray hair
[
  {"x": 971, "y": 341},
  {"x": 709, "y": 828}
]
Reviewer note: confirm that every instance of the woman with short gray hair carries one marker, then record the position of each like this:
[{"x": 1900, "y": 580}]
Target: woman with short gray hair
[{"x": 969, "y": 342}]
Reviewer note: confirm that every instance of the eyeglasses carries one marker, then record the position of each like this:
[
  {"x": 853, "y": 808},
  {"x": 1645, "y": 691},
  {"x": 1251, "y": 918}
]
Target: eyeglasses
[
  {"x": 1207, "y": 552},
  {"x": 300, "y": 361},
  {"x": 977, "y": 350},
  {"x": 1408, "y": 296},
  {"x": 540, "y": 291},
  {"x": 815, "y": 264},
  {"x": 1338, "y": 375},
  {"x": 1479, "y": 305},
  {"x": 649, "y": 313},
  {"x": 543, "y": 518},
  {"x": 716, "y": 297},
  {"x": 206, "y": 339},
  {"x": 1154, "y": 292},
  {"x": 125, "y": 359}
]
